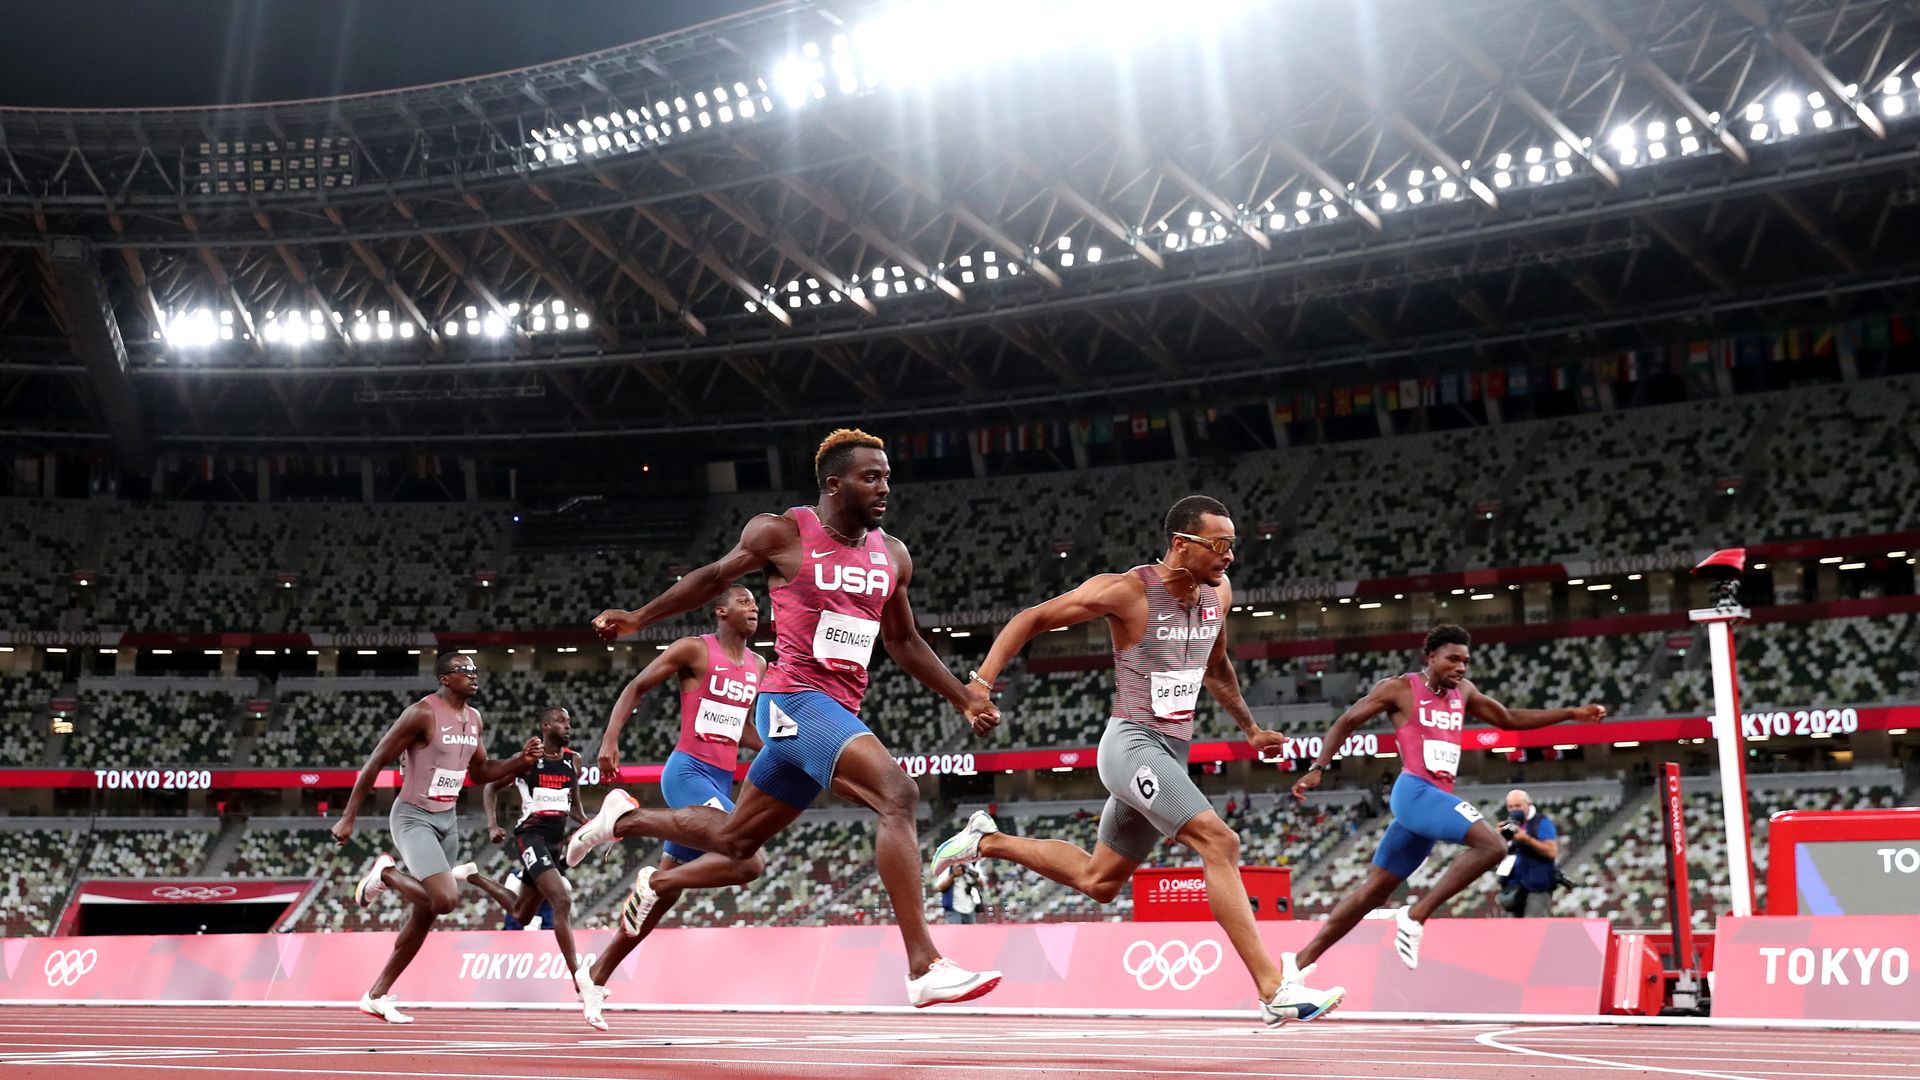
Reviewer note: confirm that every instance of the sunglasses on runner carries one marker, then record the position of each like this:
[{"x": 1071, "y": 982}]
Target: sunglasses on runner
[{"x": 1219, "y": 545}]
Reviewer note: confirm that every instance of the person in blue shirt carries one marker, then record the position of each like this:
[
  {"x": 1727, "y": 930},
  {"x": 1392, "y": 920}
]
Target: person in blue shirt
[{"x": 1532, "y": 846}]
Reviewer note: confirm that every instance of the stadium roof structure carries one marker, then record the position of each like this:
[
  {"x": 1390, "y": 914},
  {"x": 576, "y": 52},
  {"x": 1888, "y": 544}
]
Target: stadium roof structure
[{"x": 823, "y": 210}]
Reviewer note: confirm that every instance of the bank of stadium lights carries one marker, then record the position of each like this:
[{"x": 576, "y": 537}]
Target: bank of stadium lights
[
  {"x": 624, "y": 130},
  {"x": 200, "y": 328}
]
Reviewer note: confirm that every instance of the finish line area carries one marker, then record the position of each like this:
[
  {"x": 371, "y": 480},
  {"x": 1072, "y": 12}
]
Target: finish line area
[{"x": 58, "y": 1042}]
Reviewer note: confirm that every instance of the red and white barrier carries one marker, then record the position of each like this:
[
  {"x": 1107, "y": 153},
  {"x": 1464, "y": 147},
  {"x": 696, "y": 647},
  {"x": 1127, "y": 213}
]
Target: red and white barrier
[{"x": 1467, "y": 966}]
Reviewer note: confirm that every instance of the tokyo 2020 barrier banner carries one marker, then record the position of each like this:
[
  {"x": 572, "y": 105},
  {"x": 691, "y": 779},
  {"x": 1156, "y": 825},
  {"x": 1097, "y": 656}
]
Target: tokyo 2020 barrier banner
[
  {"x": 1818, "y": 967},
  {"x": 1541, "y": 966}
]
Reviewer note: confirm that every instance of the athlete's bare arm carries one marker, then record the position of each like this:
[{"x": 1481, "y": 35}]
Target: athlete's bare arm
[
  {"x": 1481, "y": 707},
  {"x": 574, "y": 809},
  {"x": 490, "y": 798},
  {"x": 485, "y": 770},
  {"x": 768, "y": 541},
  {"x": 681, "y": 656},
  {"x": 1110, "y": 596},
  {"x": 1391, "y": 696},
  {"x": 902, "y": 637},
  {"x": 1224, "y": 684},
  {"x": 409, "y": 729}
]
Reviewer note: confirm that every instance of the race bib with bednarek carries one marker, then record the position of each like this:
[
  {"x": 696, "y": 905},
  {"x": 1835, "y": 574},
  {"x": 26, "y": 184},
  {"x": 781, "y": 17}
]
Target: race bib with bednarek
[
  {"x": 719, "y": 722},
  {"x": 844, "y": 642},
  {"x": 1174, "y": 692},
  {"x": 547, "y": 800},
  {"x": 1441, "y": 757}
]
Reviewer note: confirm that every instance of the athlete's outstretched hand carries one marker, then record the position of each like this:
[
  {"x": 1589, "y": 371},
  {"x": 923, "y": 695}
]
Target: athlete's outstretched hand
[
  {"x": 609, "y": 762},
  {"x": 343, "y": 829},
  {"x": 1305, "y": 784},
  {"x": 1265, "y": 742},
  {"x": 1589, "y": 714},
  {"x": 980, "y": 710},
  {"x": 613, "y": 622},
  {"x": 496, "y": 834},
  {"x": 530, "y": 753}
]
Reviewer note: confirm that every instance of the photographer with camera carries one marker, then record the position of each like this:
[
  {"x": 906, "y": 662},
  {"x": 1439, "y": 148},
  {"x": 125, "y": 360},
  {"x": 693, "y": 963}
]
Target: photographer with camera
[{"x": 1527, "y": 875}]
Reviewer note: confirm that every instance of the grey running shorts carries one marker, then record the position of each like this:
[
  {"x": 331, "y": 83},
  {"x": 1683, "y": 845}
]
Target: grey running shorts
[
  {"x": 425, "y": 841},
  {"x": 1152, "y": 795}
]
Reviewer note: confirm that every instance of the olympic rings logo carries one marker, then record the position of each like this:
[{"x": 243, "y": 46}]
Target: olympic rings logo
[
  {"x": 64, "y": 967},
  {"x": 194, "y": 892},
  {"x": 1173, "y": 964}
]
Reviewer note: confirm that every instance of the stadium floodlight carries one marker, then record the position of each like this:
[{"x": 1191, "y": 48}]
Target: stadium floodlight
[
  {"x": 540, "y": 323},
  {"x": 1786, "y": 105},
  {"x": 1656, "y": 151},
  {"x": 1536, "y": 173},
  {"x": 580, "y": 320},
  {"x": 1389, "y": 200},
  {"x": 1758, "y": 133},
  {"x": 1534, "y": 154},
  {"x": 1416, "y": 196},
  {"x": 1562, "y": 151},
  {"x": 362, "y": 332},
  {"x": 1689, "y": 145},
  {"x": 1756, "y": 112},
  {"x": 1892, "y": 106},
  {"x": 1503, "y": 162},
  {"x": 1563, "y": 167},
  {"x": 452, "y": 329},
  {"x": 1623, "y": 138},
  {"x": 1823, "y": 119},
  {"x": 1502, "y": 179},
  {"x": 406, "y": 331}
]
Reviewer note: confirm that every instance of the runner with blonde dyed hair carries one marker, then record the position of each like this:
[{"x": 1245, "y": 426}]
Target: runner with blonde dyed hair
[{"x": 838, "y": 586}]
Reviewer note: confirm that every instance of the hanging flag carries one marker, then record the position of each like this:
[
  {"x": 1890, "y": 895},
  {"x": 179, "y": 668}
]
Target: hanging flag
[
  {"x": 1900, "y": 330},
  {"x": 1496, "y": 381},
  {"x": 1158, "y": 420},
  {"x": 1390, "y": 396},
  {"x": 1283, "y": 410},
  {"x": 1449, "y": 390},
  {"x": 1140, "y": 425},
  {"x": 1630, "y": 367},
  {"x": 1700, "y": 356},
  {"x": 1429, "y": 392},
  {"x": 1363, "y": 400},
  {"x": 1343, "y": 402},
  {"x": 1409, "y": 393},
  {"x": 1472, "y": 379},
  {"x": 1517, "y": 381},
  {"x": 1562, "y": 376}
]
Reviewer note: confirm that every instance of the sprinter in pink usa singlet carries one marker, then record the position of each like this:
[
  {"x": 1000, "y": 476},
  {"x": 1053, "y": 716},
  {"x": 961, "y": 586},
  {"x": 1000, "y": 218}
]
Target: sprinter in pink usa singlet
[
  {"x": 1428, "y": 709},
  {"x": 838, "y": 585}
]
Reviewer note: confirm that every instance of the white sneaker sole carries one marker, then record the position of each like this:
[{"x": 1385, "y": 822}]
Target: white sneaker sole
[{"x": 980, "y": 989}]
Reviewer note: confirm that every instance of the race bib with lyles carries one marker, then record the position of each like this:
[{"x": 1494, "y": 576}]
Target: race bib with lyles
[
  {"x": 1441, "y": 757},
  {"x": 719, "y": 722},
  {"x": 844, "y": 642},
  {"x": 446, "y": 783},
  {"x": 1174, "y": 692},
  {"x": 547, "y": 801}
]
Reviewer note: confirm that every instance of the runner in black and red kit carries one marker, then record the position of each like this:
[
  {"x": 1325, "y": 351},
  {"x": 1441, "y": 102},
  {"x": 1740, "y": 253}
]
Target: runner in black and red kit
[
  {"x": 838, "y": 586},
  {"x": 549, "y": 790}
]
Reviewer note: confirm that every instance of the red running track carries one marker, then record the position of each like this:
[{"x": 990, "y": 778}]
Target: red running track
[{"x": 151, "y": 1043}]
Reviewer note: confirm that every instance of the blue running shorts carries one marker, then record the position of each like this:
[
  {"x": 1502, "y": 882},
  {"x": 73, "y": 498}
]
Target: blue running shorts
[
  {"x": 688, "y": 781},
  {"x": 804, "y": 733},
  {"x": 1422, "y": 815}
]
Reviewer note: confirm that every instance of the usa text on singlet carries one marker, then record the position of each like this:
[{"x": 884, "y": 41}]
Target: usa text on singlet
[
  {"x": 714, "y": 711},
  {"x": 431, "y": 775},
  {"x": 827, "y": 618},
  {"x": 1157, "y": 681},
  {"x": 1429, "y": 742}
]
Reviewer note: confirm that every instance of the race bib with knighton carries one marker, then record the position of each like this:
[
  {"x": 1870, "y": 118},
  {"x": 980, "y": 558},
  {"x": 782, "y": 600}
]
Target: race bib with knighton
[
  {"x": 547, "y": 800},
  {"x": 844, "y": 642},
  {"x": 718, "y": 721},
  {"x": 1174, "y": 692},
  {"x": 1441, "y": 757},
  {"x": 446, "y": 783}
]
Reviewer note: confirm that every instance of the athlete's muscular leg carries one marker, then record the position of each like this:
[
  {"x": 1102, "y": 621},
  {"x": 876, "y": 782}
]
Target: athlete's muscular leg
[
  {"x": 868, "y": 775},
  {"x": 755, "y": 818},
  {"x": 498, "y": 893},
  {"x": 1219, "y": 850},
  {"x": 735, "y": 838},
  {"x": 1484, "y": 851},
  {"x": 552, "y": 886},
  {"x": 413, "y": 934},
  {"x": 1100, "y": 875},
  {"x": 439, "y": 893},
  {"x": 622, "y": 946},
  {"x": 1346, "y": 914}
]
